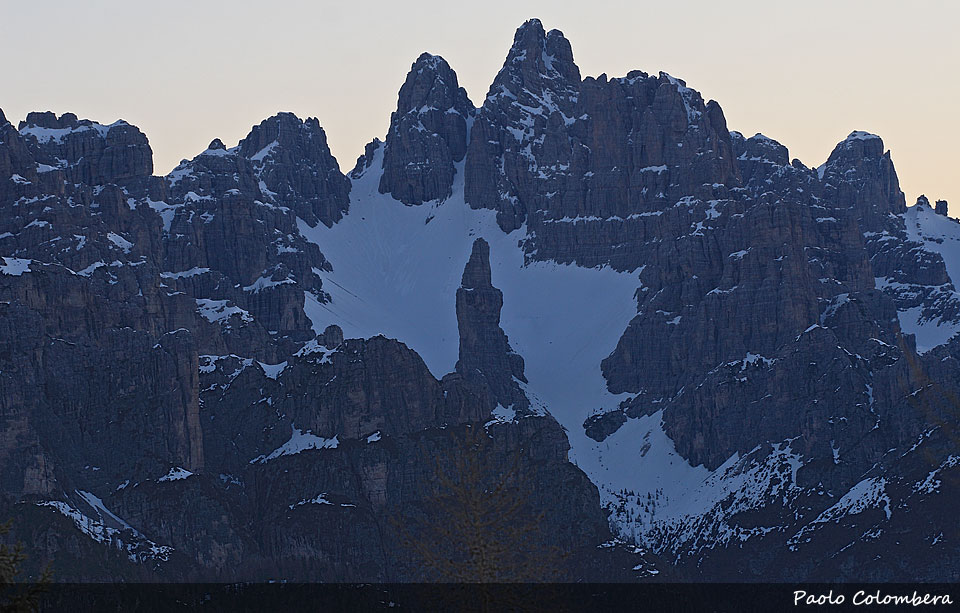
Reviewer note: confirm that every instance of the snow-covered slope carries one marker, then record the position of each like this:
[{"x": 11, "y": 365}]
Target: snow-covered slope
[
  {"x": 395, "y": 272},
  {"x": 396, "y": 269},
  {"x": 937, "y": 234}
]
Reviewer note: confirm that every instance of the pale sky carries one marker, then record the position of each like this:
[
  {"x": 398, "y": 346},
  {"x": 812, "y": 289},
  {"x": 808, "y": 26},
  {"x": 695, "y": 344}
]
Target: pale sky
[{"x": 186, "y": 72}]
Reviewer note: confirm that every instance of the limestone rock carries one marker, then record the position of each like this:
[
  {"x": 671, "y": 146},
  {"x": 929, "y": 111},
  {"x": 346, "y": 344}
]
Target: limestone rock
[
  {"x": 427, "y": 135},
  {"x": 87, "y": 152},
  {"x": 485, "y": 353}
]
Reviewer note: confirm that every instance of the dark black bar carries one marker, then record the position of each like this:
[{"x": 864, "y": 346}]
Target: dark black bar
[{"x": 653, "y": 597}]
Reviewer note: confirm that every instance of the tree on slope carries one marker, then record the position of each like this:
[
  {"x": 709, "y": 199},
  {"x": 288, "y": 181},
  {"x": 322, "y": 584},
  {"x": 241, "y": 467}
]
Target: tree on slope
[{"x": 16, "y": 595}]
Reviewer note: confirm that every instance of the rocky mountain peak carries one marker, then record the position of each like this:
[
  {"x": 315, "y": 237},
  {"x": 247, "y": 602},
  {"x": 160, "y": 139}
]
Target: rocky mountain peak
[
  {"x": 525, "y": 118},
  {"x": 542, "y": 52},
  {"x": 293, "y": 167},
  {"x": 486, "y": 359},
  {"x": 49, "y": 119},
  {"x": 431, "y": 83},
  {"x": 941, "y": 207},
  {"x": 234, "y": 214},
  {"x": 537, "y": 62},
  {"x": 3, "y": 118},
  {"x": 476, "y": 274},
  {"x": 286, "y": 129},
  {"x": 87, "y": 151},
  {"x": 758, "y": 159},
  {"x": 858, "y": 144},
  {"x": 427, "y": 134},
  {"x": 530, "y": 32},
  {"x": 767, "y": 149},
  {"x": 365, "y": 159},
  {"x": 547, "y": 147},
  {"x": 860, "y": 175}
]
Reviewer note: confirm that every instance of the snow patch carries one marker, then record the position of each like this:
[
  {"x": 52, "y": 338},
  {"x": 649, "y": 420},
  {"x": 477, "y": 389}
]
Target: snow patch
[
  {"x": 272, "y": 371},
  {"x": 175, "y": 474},
  {"x": 45, "y": 135},
  {"x": 185, "y": 273},
  {"x": 86, "y": 272},
  {"x": 260, "y": 155},
  {"x": 299, "y": 441},
  {"x": 217, "y": 311},
  {"x": 263, "y": 283},
  {"x": 932, "y": 483},
  {"x": 120, "y": 242},
  {"x": 103, "y": 526},
  {"x": 314, "y": 346},
  {"x": 14, "y": 266},
  {"x": 502, "y": 415}
]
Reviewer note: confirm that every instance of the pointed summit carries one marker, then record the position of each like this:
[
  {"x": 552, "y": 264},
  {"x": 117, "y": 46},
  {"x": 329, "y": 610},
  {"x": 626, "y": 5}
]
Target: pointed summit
[
  {"x": 285, "y": 129},
  {"x": 283, "y": 161},
  {"x": 486, "y": 358},
  {"x": 860, "y": 175},
  {"x": 427, "y": 135},
  {"x": 432, "y": 83},
  {"x": 531, "y": 29},
  {"x": 542, "y": 52},
  {"x": 476, "y": 274},
  {"x": 525, "y": 118},
  {"x": 537, "y": 61}
]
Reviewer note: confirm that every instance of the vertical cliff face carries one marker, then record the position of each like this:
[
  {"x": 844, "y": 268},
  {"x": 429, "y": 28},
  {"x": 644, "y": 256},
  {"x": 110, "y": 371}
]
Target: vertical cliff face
[
  {"x": 522, "y": 125},
  {"x": 755, "y": 361},
  {"x": 590, "y": 166},
  {"x": 293, "y": 161},
  {"x": 162, "y": 383},
  {"x": 89, "y": 377},
  {"x": 485, "y": 354},
  {"x": 85, "y": 151},
  {"x": 427, "y": 135},
  {"x": 230, "y": 224}
]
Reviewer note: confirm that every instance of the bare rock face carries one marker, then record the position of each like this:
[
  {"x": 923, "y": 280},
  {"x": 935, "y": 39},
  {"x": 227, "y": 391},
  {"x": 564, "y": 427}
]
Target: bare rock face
[
  {"x": 537, "y": 86},
  {"x": 120, "y": 378},
  {"x": 157, "y": 365},
  {"x": 427, "y": 135},
  {"x": 332, "y": 336},
  {"x": 292, "y": 160},
  {"x": 869, "y": 184},
  {"x": 792, "y": 242},
  {"x": 230, "y": 220},
  {"x": 589, "y": 166},
  {"x": 792, "y": 339},
  {"x": 85, "y": 151},
  {"x": 485, "y": 354}
]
